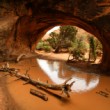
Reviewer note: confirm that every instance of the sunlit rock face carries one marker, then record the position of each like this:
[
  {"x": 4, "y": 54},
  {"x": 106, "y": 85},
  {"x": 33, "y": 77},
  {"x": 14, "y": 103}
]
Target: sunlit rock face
[{"x": 36, "y": 17}]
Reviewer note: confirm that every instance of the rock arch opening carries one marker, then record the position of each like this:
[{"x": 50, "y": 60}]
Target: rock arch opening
[
  {"x": 29, "y": 32},
  {"x": 32, "y": 25},
  {"x": 89, "y": 47}
]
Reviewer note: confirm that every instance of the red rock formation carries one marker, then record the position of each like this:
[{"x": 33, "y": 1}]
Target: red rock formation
[{"x": 41, "y": 15}]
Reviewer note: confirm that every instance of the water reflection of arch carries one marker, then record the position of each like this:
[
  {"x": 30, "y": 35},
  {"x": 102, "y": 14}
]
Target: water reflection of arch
[{"x": 58, "y": 72}]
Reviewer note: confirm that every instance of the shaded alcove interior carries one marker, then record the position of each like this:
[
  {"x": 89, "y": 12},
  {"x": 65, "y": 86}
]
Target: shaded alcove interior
[
  {"x": 57, "y": 13},
  {"x": 30, "y": 32}
]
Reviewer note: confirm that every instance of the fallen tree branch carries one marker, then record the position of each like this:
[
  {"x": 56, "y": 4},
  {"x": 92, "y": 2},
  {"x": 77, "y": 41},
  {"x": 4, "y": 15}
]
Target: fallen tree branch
[
  {"x": 65, "y": 87},
  {"x": 20, "y": 57},
  {"x": 39, "y": 94},
  {"x": 49, "y": 92}
]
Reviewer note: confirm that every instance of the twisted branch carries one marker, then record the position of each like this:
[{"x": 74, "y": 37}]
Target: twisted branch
[{"x": 65, "y": 87}]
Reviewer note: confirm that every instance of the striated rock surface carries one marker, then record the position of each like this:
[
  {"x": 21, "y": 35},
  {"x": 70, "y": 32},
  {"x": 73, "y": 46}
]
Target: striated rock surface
[{"x": 33, "y": 18}]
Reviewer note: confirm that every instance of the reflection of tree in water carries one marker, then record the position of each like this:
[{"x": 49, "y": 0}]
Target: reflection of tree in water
[
  {"x": 61, "y": 69},
  {"x": 89, "y": 77},
  {"x": 64, "y": 72},
  {"x": 50, "y": 63},
  {"x": 53, "y": 66},
  {"x": 58, "y": 72}
]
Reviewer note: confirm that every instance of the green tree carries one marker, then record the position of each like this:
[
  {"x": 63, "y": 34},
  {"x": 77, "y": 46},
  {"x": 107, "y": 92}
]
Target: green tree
[
  {"x": 53, "y": 39},
  {"x": 78, "y": 49},
  {"x": 98, "y": 47},
  {"x": 44, "y": 45},
  {"x": 65, "y": 37},
  {"x": 92, "y": 48},
  {"x": 95, "y": 48}
]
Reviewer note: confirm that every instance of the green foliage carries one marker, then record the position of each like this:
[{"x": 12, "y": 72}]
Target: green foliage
[
  {"x": 78, "y": 49},
  {"x": 53, "y": 39},
  {"x": 47, "y": 48},
  {"x": 95, "y": 48},
  {"x": 43, "y": 45},
  {"x": 98, "y": 47},
  {"x": 92, "y": 53},
  {"x": 67, "y": 33},
  {"x": 76, "y": 45},
  {"x": 40, "y": 45},
  {"x": 65, "y": 37}
]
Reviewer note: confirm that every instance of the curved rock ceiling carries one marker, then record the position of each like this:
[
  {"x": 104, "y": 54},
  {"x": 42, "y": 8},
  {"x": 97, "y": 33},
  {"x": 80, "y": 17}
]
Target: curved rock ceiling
[{"x": 35, "y": 17}]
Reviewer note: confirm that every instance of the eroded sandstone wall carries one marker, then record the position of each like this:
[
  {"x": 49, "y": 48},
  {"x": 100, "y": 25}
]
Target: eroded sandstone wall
[{"x": 36, "y": 17}]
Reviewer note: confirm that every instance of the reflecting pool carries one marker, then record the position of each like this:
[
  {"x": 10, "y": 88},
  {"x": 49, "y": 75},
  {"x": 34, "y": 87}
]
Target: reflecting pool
[{"x": 58, "y": 72}]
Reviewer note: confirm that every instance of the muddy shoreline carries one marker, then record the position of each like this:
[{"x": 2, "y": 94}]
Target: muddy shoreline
[{"x": 16, "y": 96}]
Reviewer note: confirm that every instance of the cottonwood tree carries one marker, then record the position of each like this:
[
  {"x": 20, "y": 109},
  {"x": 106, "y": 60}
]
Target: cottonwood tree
[{"x": 65, "y": 37}]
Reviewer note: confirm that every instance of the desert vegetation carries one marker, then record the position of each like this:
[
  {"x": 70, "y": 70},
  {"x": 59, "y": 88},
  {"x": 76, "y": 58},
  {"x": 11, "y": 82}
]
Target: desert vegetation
[{"x": 81, "y": 47}]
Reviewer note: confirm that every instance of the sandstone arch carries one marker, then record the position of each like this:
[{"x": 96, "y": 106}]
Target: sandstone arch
[{"x": 90, "y": 15}]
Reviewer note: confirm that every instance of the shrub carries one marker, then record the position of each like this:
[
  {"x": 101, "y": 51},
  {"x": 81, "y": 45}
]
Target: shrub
[
  {"x": 43, "y": 45},
  {"x": 47, "y": 48},
  {"x": 40, "y": 45}
]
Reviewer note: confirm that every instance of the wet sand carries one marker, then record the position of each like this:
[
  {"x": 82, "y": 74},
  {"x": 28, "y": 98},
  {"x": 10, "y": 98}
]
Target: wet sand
[
  {"x": 86, "y": 100},
  {"x": 6, "y": 101},
  {"x": 90, "y": 91}
]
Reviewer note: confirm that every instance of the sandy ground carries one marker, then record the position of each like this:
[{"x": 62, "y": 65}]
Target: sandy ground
[
  {"x": 89, "y": 99},
  {"x": 52, "y": 56},
  {"x": 6, "y": 101}
]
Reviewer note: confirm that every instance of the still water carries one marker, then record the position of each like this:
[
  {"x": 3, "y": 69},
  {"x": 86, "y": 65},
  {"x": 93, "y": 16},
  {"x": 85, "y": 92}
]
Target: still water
[
  {"x": 58, "y": 72},
  {"x": 90, "y": 91}
]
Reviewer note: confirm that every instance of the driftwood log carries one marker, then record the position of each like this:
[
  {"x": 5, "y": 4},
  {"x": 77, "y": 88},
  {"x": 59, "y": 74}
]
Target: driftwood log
[
  {"x": 20, "y": 57},
  {"x": 65, "y": 87},
  {"x": 39, "y": 94}
]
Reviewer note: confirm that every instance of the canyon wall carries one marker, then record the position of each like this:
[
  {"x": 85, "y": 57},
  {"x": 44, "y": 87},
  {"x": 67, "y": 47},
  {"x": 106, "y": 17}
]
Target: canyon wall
[{"x": 31, "y": 19}]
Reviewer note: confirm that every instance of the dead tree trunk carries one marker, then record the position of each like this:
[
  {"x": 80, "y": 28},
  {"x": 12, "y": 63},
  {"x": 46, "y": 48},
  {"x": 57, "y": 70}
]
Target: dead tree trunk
[{"x": 65, "y": 88}]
